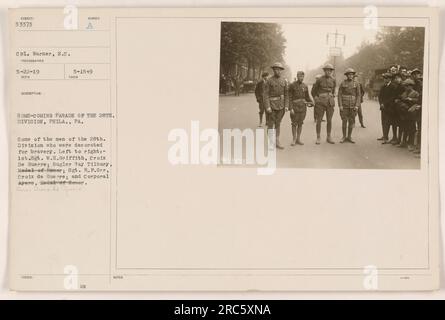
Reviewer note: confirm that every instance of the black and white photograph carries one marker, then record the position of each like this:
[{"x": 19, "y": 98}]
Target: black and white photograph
[{"x": 344, "y": 95}]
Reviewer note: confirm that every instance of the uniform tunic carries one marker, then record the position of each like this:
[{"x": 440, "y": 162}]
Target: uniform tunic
[
  {"x": 259, "y": 89},
  {"x": 298, "y": 96},
  {"x": 275, "y": 96},
  {"x": 349, "y": 97},
  {"x": 275, "y": 93},
  {"x": 323, "y": 92}
]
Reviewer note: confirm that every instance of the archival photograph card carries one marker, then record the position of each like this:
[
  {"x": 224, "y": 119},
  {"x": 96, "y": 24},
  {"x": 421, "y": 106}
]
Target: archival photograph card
[{"x": 224, "y": 149}]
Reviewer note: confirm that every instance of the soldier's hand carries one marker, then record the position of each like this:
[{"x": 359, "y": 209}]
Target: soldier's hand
[
  {"x": 292, "y": 111},
  {"x": 269, "y": 110},
  {"x": 341, "y": 109},
  {"x": 286, "y": 109}
]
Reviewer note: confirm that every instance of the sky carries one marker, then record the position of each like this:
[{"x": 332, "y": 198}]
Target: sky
[{"x": 306, "y": 46}]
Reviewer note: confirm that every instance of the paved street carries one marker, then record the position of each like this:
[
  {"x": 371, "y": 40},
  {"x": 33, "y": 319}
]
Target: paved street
[{"x": 368, "y": 153}]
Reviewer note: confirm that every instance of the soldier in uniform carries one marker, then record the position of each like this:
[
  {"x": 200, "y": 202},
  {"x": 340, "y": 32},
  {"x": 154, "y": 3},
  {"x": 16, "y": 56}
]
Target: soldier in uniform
[
  {"x": 299, "y": 99},
  {"x": 276, "y": 100},
  {"x": 407, "y": 103},
  {"x": 324, "y": 94},
  {"x": 259, "y": 88},
  {"x": 360, "y": 110},
  {"x": 349, "y": 96},
  {"x": 416, "y": 75},
  {"x": 318, "y": 76}
]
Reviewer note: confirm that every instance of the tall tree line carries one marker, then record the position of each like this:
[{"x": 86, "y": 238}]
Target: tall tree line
[
  {"x": 250, "y": 46},
  {"x": 394, "y": 45}
]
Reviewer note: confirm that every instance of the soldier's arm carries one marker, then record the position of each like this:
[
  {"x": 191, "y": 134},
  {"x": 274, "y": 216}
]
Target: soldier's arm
[
  {"x": 335, "y": 86},
  {"x": 340, "y": 91},
  {"x": 359, "y": 97},
  {"x": 289, "y": 91},
  {"x": 307, "y": 96},
  {"x": 266, "y": 96},
  {"x": 286, "y": 95},
  {"x": 314, "y": 90},
  {"x": 257, "y": 91}
]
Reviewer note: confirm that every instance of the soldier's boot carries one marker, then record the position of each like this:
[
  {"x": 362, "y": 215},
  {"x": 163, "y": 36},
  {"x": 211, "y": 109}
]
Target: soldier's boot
[
  {"x": 294, "y": 135},
  {"x": 350, "y": 135},
  {"x": 318, "y": 130},
  {"x": 329, "y": 129},
  {"x": 299, "y": 129},
  {"x": 343, "y": 129},
  {"x": 278, "y": 144}
]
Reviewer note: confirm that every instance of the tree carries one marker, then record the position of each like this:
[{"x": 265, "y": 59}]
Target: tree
[
  {"x": 254, "y": 46},
  {"x": 394, "y": 45}
]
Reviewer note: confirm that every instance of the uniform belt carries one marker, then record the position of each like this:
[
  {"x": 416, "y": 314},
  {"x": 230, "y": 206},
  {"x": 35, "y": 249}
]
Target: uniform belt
[
  {"x": 325, "y": 94},
  {"x": 347, "y": 96},
  {"x": 275, "y": 98},
  {"x": 299, "y": 100}
]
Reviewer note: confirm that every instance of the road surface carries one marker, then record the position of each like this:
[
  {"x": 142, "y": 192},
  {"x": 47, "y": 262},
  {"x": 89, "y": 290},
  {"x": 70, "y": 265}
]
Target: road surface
[{"x": 367, "y": 153}]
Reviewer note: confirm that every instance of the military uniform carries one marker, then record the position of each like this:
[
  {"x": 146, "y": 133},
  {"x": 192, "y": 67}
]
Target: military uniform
[
  {"x": 407, "y": 99},
  {"x": 298, "y": 97},
  {"x": 275, "y": 97},
  {"x": 318, "y": 76},
  {"x": 349, "y": 96},
  {"x": 259, "y": 91},
  {"x": 349, "y": 99},
  {"x": 324, "y": 92},
  {"x": 360, "y": 109},
  {"x": 276, "y": 101},
  {"x": 298, "y": 100},
  {"x": 396, "y": 90},
  {"x": 418, "y": 86}
]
